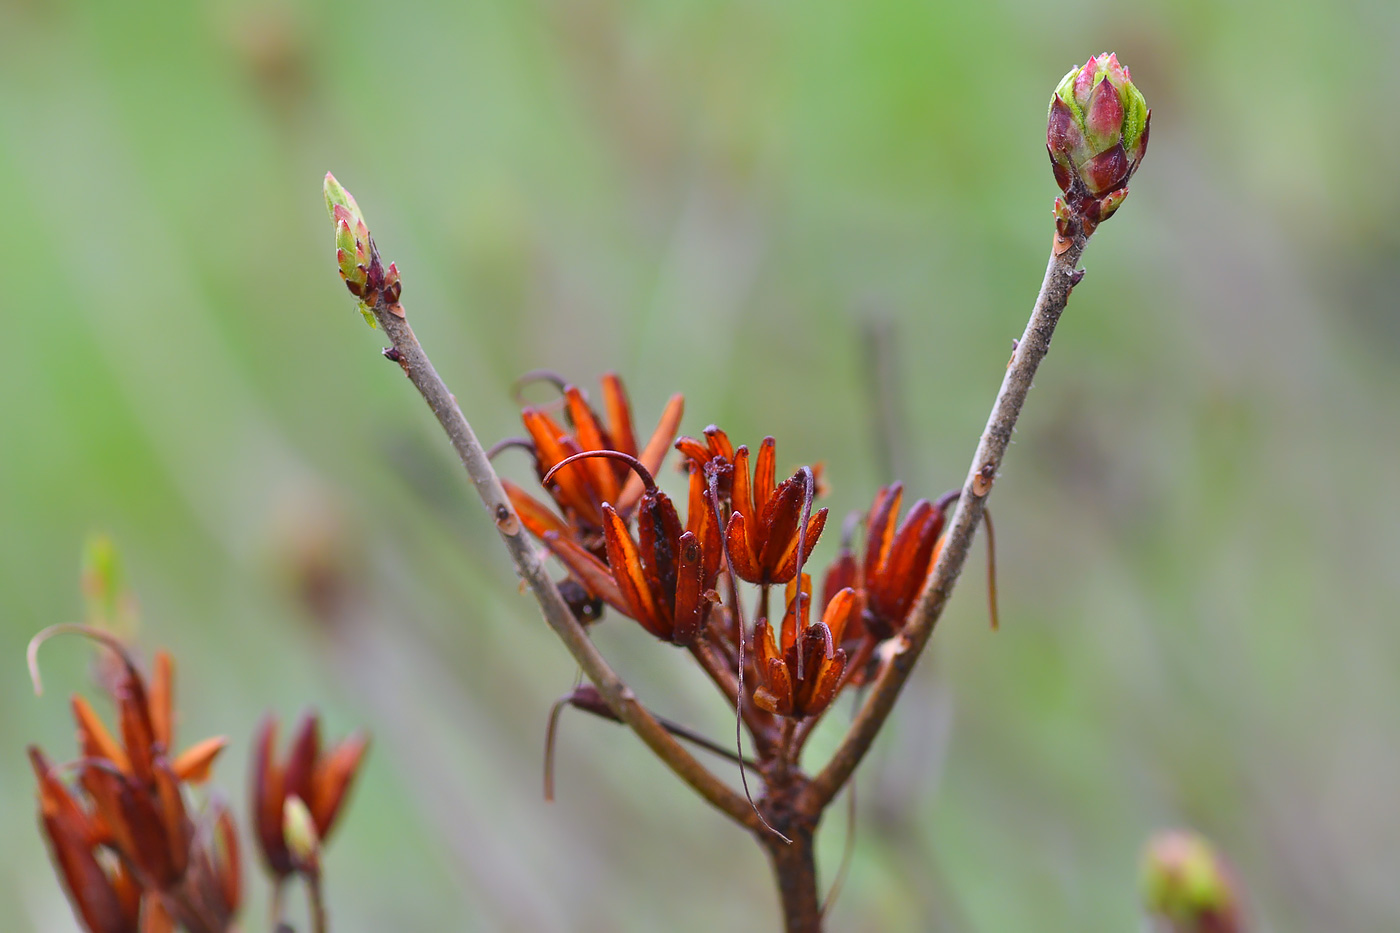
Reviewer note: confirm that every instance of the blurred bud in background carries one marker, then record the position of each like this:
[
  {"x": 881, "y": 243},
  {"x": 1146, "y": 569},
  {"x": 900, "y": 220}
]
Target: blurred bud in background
[
  {"x": 317, "y": 779},
  {"x": 1187, "y": 887}
]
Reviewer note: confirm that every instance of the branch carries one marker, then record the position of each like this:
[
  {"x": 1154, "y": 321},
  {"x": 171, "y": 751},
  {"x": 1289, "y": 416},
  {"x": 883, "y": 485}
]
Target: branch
[
  {"x": 408, "y": 353},
  {"x": 1060, "y": 279},
  {"x": 316, "y": 902},
  {"x": 588, "y": 700}
]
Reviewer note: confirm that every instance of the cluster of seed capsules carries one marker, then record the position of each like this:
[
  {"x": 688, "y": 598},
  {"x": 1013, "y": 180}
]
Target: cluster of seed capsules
[
  {"x": 133, "y": 853},
  {"x": 627, "y": 547}
]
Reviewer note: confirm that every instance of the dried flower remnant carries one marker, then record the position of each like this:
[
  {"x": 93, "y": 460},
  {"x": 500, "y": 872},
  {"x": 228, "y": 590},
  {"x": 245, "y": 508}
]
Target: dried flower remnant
[
  {"x": 787, "y": 688},
  {"x": 769, "y": 543},
  {"x": 320, "y": 778},
  {"x": 764, "y": 516},
  {"x": 131, "y": 803},
  {"x": 897, "y": 561},
  {"x": 891, "y": 574},
  {"x": 105, "y": 898},
  {"x": 845, "y": 572},
  {"x": 215, "y": 876},
  {"x": 1096, "y": 134},
  {"x": 581, "y": 490},
  {"x": 661, "y": 580},
  {"x": 712, "y": 457}
]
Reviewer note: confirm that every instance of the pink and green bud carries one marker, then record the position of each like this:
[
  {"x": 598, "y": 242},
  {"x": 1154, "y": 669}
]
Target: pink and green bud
[
  {"x": 1096, "y": 133},
  {"x": 1187, "y": 887},
  {"x": 337, "y": 196},
  {"x": 108, "y": 600},
  {"x": 356, "y": 255}
]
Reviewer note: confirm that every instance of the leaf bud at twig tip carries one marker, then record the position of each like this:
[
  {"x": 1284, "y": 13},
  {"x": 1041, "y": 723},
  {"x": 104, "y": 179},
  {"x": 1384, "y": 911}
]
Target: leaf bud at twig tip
[
  {"x": 1187, "y": 885},
  {"x": 299, "y": 832},
  {"x": 108, "y": 601},
  {"x": 337, "y": 195},
  {"x": 357, "y": 257},
  {"x": 1096, "y": 134}
]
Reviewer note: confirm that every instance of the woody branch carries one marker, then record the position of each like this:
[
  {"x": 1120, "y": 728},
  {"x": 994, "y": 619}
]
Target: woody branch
[
  {"x": 1096, "y": 135},
  {"x": 1060, "y": 278}
]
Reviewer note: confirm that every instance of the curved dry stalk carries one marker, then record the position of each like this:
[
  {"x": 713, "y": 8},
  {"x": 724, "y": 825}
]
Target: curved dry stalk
[
  {"x": 1060, "y": 279},
  {"x": 680, "y": 731},
  {"x": 102, "y": 636},
  {"x": 737, "y": 609},
  {"x": 410, "y": 356}
]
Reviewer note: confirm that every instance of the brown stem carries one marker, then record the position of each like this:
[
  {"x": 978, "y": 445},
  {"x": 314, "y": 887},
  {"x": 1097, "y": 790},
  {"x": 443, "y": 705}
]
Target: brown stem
[
  {"x": 316, "y": 901},
  {"x": 409, "y": 354},
  {"x": 787, "y": 755},
  {"x": 794, "y": 865},
  {"x": 1060, "y": 278},
  {"x": 279, "y": 902}
]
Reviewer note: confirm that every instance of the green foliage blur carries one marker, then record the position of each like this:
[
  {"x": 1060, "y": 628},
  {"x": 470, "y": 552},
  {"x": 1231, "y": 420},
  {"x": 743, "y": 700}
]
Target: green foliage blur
[{"x": 772, "y": 207}]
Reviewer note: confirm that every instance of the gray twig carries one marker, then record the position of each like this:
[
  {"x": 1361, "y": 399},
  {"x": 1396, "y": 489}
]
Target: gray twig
[{"x": 1060, "y": 279}]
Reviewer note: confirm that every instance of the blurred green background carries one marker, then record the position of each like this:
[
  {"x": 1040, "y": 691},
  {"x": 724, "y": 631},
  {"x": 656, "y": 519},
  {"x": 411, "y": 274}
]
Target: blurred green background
[{"x": 747, "y": 203}]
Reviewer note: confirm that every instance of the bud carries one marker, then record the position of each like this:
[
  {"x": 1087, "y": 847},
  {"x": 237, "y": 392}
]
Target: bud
[
  {"x": 1187, "y": 886},
  {"x": 1096, "y": 134},
  {"x": 356, "y": 255},
  {"x": 108, "y": 600},
  {"x": 299, "y": 830},
  {"x": 317, "y": 779},
  {"x": 337, "y": 196}
]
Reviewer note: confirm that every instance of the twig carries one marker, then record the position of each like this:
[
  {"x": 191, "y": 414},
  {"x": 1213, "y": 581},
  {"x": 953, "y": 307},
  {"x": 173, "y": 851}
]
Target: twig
[
  {"x": 316, "y": 901},
  {"x": 278, "y": 905},
  {"x": 409, "y": 354},
  {"x": 1060, "y": 278},
  {"x": 586, "y": 704}
]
